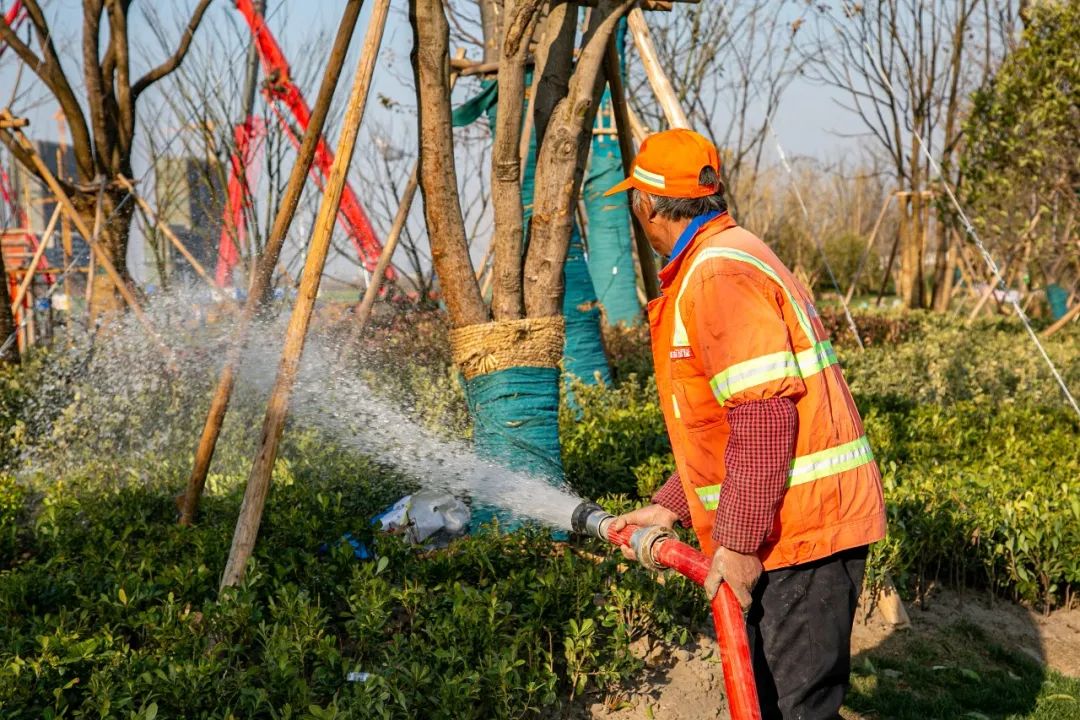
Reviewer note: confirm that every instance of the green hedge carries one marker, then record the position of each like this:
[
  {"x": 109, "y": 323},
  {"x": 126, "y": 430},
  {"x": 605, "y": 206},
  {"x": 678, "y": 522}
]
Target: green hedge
[{"x": 108, "y": 608}]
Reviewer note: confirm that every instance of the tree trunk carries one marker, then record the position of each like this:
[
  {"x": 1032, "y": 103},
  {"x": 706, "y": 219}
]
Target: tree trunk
[
  {"x": 508, "y": 240},
  {"x": 560, "y": 167},
  {"x": 944, "y": 268},
  {"x": 909, "y": 286},
  {"x": 117, "y": 213},
  {"x": 438, "y": 173}
]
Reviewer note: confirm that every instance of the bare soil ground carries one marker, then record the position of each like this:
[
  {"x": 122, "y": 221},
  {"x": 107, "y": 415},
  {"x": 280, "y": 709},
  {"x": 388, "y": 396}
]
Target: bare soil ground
[{"x": 684, "y": 682}]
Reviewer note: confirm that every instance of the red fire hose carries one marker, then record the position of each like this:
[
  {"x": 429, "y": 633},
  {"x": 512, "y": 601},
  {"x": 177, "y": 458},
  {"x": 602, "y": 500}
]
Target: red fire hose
[{"x": 728, "y": 619}]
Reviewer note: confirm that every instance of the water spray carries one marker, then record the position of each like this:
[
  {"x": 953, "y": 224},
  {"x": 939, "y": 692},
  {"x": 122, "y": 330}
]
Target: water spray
[{"x": 657, "y": 548}]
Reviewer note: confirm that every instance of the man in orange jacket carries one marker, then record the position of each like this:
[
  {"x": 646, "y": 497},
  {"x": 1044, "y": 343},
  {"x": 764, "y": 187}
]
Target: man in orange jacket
[{"x": 774, "y": 471}]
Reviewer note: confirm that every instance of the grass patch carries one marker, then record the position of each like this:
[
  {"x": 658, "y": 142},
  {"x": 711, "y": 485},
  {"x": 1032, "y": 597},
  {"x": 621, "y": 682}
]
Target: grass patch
[{"x": 957, "y": 672}]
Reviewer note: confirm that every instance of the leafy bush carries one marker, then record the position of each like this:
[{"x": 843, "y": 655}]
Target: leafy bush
[
  {"x": 942, "y": 361},
  {"x": 108, "y": 608},
  {"x": 613, "y": 438},
  {"x": 114, "y": 609},
  {"x": 979, "y": 454},
  {"x": 974, "y": 498}
]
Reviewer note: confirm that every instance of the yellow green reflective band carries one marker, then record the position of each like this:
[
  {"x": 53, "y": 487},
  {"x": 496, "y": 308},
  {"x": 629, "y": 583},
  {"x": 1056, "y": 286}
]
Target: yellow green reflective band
[
  {"x": 745, "y": 375},
  {"x": 767, "y": 368},
  {"x": 680, "y": 337},
  {"x": 830, "y": 461},
  {"x": 815, "y": 359},
  {"x": 650, "y": 178},
  {"x": 709, "y": 496}
]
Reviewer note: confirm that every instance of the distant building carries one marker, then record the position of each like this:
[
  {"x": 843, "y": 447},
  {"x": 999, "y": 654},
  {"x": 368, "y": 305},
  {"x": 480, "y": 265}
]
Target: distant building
[{"x": 190, "y": 201}]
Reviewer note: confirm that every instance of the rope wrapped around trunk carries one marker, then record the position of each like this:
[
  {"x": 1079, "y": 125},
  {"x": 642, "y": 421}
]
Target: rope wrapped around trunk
[
  {"x": 530, "y": 342},
  {"x": 511, "y": 374}
]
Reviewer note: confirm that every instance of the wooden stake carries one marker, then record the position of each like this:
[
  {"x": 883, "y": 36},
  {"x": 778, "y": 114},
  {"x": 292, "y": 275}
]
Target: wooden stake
[
  {"x": 258, "y": 485},
  {"x": 637, "y": 127},
  {"x": 363, "y": 313},
  {"x": 43, "y": 171},
  {"x": 91, "y": 270},
  {"x": 29, "y": 277},
  {"x": 654, "y": 70},
  {"x": 646, "y": 259},
  {"x": 153, "y": 218},
  {"x": 219, "y": 404},
  {"x": 869, "y": 247},
  {"x": 1062, "y": 321}
]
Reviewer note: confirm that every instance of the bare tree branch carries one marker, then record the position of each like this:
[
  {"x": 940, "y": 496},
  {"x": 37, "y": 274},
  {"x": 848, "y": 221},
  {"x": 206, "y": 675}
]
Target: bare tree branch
[{"x": 177, "y": 57}]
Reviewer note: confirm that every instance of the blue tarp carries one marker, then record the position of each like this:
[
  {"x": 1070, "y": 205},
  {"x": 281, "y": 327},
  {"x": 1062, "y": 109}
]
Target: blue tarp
[{"x": 611, "y": 258}]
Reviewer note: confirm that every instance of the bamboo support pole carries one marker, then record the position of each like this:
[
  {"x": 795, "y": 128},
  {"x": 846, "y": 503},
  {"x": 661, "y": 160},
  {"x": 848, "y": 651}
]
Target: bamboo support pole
[
  {"x": 481, "y": 269},
  {"x": 91, "y": 269},
  {"x": 363, "y": 313},
  {"x": 29, "y": 277},
  {"x": 489, "y": 279},
  {"x": 646, "y": 259},
  {"x": 1062, "y": 321},
  {"x": 219, "y": 403},
  {"x": 156, "y": 222},
  {"x": 637, "y": 127},
  {"x": 101, "y": 257},
  {"x": 654, "y": 70},
  {"x": 258, "y": 485},
  {"x": 88, "y": 293},
  {"x": 990, "y": 292},
  {"x": 888, "y": 270}
]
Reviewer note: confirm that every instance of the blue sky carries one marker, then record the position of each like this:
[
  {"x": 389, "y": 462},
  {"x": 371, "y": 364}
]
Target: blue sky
[{"x": 808, "y": 123}]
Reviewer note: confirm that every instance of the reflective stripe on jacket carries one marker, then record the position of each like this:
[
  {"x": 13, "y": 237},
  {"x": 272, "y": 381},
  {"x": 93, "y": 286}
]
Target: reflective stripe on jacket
[{"x": 733, "y": 325}]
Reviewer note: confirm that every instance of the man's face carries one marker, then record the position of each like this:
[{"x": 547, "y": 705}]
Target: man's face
[{"x": 655, "y": 229}]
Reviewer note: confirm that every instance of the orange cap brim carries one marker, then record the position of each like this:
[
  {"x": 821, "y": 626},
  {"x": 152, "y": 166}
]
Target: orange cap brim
[{"x": 621, "y": 187}]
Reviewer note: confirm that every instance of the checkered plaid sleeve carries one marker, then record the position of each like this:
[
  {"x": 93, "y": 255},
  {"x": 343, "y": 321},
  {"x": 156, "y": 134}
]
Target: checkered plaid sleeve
[
  {"x": 757, "y": 460},
  {"x": 671, "y": 496}
]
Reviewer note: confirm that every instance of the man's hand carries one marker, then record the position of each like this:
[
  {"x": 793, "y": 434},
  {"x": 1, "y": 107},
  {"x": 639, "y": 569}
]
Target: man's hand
[
  {"x": 649, "y": 515},
  {"x": 739, "y": 571}
]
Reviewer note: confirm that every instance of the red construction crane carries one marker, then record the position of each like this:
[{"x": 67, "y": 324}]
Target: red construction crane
[
  {"x": 13, "y": 17},
  {"x": 278, "y": 89},
  {"x": 20, "y": 245}
]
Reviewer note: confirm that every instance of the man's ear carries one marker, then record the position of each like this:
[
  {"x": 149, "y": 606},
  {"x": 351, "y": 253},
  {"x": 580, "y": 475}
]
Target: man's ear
[{"x": 647, "y": 207}]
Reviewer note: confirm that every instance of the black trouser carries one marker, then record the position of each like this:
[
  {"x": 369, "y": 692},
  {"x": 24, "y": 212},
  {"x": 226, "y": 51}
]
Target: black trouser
[{"x": 800, "y": 636}]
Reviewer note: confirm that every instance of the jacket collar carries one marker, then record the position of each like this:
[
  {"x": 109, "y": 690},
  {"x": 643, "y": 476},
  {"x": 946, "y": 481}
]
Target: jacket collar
[{"x": 689, "y": 242}]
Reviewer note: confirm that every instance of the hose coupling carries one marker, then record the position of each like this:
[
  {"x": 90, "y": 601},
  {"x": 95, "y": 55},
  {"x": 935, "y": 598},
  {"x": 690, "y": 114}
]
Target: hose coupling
[
  {"x": 644, "y": 541},
  {"x": 590, "y": 519}
]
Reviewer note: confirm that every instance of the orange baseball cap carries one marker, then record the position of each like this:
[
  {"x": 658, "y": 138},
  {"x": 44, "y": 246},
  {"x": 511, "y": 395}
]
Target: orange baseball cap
[{"x": 669, "y": 164}]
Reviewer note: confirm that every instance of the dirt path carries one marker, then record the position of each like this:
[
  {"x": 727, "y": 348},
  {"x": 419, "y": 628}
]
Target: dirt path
[
  {"x": 681, "y": 683},
  {"x": 1052, "y": 640}
]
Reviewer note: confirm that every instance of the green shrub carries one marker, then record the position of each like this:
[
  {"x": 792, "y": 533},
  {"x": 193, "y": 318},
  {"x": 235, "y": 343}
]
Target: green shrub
[
  {"x": 941, "y": 361},
  {"x": 991, "y": 499},
  {"x": 612, "y": 436},
  {"x": 111, "y": 609}
]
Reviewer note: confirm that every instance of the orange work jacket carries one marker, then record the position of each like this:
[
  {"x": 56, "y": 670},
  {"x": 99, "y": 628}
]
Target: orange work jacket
[{"x": 733, "y": 325}]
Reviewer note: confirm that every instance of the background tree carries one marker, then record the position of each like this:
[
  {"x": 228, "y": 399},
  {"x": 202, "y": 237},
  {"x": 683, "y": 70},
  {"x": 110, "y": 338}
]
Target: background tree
[
  {"x": 729, "y": 62},
  {"x": 907, "y": 66},
  {"x": 1021, "y": 158},
  {"x": 103, "y": 121}
]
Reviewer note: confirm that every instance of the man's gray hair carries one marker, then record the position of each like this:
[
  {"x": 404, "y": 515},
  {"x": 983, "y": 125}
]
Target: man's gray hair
[{"x": 672, "y": 208}]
